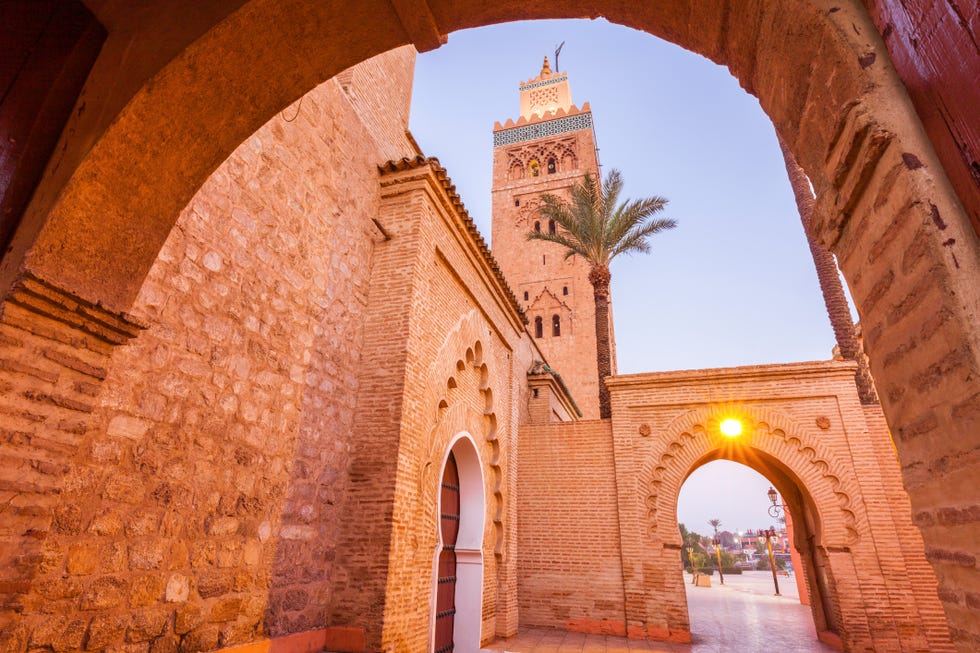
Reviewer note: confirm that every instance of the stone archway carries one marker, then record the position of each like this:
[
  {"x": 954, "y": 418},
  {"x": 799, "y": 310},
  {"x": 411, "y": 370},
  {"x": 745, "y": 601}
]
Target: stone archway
[
  {"x": 99, "y": 218},
  {"x": 808, "y": 68},
  {"x": 817, "y": 488},
  {"x": 814, "y": 577},
  {"x": 804, "y": 430}
]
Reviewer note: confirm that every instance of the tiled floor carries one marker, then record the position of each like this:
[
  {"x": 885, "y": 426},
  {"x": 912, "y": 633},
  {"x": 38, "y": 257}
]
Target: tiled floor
[{"x": 742, "y": 615}]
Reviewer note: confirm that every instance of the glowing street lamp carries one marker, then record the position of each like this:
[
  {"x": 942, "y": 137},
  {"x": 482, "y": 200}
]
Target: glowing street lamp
[
  {"x": 717, "y": 543},
  {"x": 730, "y": 427}
]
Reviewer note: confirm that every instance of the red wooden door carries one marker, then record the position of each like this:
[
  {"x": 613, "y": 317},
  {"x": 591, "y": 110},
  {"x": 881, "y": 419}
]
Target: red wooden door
[{"x": 446, "y": 581}]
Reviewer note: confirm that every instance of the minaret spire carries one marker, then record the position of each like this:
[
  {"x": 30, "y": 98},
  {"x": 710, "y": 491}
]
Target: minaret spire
[{"x": 545, "y": 68}]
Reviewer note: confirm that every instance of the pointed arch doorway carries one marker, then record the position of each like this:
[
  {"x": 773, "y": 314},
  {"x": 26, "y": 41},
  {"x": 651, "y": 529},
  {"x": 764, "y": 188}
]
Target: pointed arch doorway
[
  {"x": 814, "y": 574},
  {"x": 458, "y": 592}
]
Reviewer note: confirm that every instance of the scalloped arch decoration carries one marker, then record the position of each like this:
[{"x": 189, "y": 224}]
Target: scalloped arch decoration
[
  {"x": 458, "y": 371},
  {"x": 694, "y": 434}
]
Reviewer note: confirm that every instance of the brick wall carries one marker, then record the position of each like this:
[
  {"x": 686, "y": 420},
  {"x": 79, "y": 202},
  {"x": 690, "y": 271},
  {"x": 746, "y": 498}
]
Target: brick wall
[
  {"x": 582, "y": 485},
  {"x": 445, "y": 352},
  {"x": 570, "y": 572},
  {"x": 202, "y": 492}
]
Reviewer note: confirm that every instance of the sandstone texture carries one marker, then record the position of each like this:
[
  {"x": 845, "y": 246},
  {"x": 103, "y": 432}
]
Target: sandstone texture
[{"x": 235, "y": 345}]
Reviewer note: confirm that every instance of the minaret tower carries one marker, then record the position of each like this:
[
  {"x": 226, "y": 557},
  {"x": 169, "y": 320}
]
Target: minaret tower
[{"x": 548, "y": 149}]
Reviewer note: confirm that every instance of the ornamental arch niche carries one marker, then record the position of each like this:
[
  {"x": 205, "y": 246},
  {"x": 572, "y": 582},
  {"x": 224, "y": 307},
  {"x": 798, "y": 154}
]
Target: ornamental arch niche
[
  {"x": 151, "y": 126},
  {"x": 461, "y": 419},
  {"x": 461, "y": 390}
]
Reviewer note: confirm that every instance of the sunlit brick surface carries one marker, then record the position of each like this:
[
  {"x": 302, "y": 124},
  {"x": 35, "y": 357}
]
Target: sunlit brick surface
[
  {"x": 600, "y": 549},
  {"x": 156, "y": 492}
]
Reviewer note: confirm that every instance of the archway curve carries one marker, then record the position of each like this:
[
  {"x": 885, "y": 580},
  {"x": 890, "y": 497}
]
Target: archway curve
[
  {"x": 112, "y": 194},
  {"x": 772, "y": 444},
  {"x": 469, "y": 544},
  {"x": 814, "y": 483},
  {"x": 107, "y": 221},
  {"x": 462, "y": 353},
  {"x": 809, "y": 536}
]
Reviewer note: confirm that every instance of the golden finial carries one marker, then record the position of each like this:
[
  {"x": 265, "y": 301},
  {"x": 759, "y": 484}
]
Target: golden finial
[{"x": 545, "y": 68}]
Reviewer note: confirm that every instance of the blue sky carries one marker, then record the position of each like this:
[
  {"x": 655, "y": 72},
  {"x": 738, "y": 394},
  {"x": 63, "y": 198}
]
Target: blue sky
[{"x": 734, "y": 283}]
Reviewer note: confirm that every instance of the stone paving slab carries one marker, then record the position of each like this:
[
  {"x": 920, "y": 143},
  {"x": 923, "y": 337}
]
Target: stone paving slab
[{"x": 742, "y": 615}]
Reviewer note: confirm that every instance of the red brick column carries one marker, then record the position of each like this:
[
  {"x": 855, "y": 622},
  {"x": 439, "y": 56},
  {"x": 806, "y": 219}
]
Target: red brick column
[{"x": 363, "y": 552}]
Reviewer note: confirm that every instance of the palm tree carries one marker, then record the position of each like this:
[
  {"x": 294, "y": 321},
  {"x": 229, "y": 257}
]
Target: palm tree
[
  {"x": 715, "y": 523},
  {"x": 830, "y": 285},
  {"x": 597, "y": 227}
]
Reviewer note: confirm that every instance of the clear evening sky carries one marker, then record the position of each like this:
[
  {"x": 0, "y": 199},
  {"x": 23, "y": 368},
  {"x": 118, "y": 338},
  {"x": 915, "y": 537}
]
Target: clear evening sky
[{"x": 733, "y": 284}]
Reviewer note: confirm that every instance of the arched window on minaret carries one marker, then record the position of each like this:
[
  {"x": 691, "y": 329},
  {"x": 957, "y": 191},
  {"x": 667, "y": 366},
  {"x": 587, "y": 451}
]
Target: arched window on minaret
[
  {"x": 538, "y": 327},
  {"x": 535, "y": 167},
  {"x": 564, "y": 290},
  {"x": 555, "y": 326},
  {"x": 537, "y": 227},
  {"x": 525, "y": 295},
  {"x": 552, "y": 167},
  {"x": 551, "y": 226}
]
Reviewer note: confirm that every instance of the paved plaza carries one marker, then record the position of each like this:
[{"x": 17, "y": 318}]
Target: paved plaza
[{"x": 742, "y": 615}]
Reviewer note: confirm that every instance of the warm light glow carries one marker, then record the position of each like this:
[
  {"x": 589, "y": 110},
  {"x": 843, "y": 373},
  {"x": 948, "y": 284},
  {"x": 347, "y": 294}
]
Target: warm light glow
[{"x": 731, "y": 427}]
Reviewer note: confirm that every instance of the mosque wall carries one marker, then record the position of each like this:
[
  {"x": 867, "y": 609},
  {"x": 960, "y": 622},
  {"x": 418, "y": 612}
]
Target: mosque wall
[
  {"x": 447, "y": 357},
  {"x": 600, "y": 549},
  {"x": 570, "y": 567},
  {"x": 203, "y": 505}
]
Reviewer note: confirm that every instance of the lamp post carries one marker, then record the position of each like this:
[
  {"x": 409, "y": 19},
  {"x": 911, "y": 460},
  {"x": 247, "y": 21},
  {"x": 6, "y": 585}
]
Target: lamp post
[
  {"x": 776, "y": 509},
  {"x": 721, "y": 576},
  {"x": 690, "y": 557},
  {"x": 768, "y": 534}
]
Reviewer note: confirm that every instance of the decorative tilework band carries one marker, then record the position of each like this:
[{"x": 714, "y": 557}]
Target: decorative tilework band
[
  {"x": 542, "y": 129},
  {"x": 547, "y": 82}
]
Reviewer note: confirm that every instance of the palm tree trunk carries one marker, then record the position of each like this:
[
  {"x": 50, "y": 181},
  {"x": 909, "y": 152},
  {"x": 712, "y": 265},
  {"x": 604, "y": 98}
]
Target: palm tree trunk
[
  {"x": 600, "y": 277},
  {"x": 830, "y": 285}
]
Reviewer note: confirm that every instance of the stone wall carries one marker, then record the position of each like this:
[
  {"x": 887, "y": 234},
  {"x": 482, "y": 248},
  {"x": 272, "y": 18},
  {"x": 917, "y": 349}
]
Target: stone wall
[
  {"x": 202, "y": 504},
  {"x": 263, "y": 459}
]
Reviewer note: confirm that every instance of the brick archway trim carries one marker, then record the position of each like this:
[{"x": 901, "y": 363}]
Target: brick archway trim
[
  {"x": 463, "y": 349},
  {"x": 127, "y": 166},
  {"x": 819, "y": 475}
]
